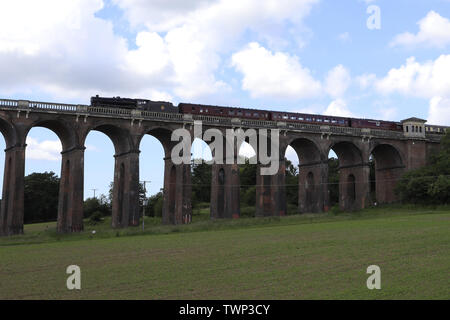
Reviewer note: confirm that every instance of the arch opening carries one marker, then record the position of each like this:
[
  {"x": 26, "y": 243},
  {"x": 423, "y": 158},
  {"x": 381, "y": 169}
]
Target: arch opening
[
  {"x": 348, "y": 177},
  {"x": 44, "y": 173},
  {"x": 387, "y": 167},
  {"x": 309, "y": 177}
]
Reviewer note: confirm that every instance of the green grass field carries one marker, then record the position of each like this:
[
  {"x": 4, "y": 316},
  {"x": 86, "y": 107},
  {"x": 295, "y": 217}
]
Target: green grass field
[{"x": 296, "y": 257}]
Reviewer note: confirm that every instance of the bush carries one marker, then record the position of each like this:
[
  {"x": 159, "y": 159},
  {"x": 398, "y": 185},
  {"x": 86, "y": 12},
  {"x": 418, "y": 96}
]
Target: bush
[
  {"x": 92, "y": 205},
  {"x": 95, "y": 218},
  {"x": 248, "y": 212}
]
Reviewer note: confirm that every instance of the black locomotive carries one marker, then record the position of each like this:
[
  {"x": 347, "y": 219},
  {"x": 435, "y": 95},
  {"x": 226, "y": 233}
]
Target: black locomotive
[{"x": 127, "y": 103}]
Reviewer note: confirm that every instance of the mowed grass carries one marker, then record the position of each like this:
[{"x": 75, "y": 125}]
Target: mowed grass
[{"x": 296, "y": 257}]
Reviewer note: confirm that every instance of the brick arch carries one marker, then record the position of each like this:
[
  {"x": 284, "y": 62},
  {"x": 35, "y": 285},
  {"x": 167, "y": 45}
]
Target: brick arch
[
  {"x": 312, "y": 196},
  {"x": 307, "y": 150},
  {"x": 389, "y": 167},
  {"x": 9, "y": 132},
  {"x": 120, "y": 137},
  {"x": 162, "y": 134},
  {"x": 348, "y": 153},
  {"x": 353, "y": 171},
  {"x": 387, "y": 155},
  {"x": 67, "y": 135},
  {"x": 177, "y": 189}
]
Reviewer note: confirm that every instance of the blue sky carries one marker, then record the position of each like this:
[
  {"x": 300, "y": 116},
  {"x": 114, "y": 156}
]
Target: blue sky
[{"x": 315, "y": 56}]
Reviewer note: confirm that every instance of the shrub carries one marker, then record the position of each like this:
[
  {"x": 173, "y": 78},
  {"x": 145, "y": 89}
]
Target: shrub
[{"x": 95, "y": 218}]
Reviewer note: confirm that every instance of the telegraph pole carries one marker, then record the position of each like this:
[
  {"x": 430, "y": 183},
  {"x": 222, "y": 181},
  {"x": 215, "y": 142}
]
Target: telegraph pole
[{"x": 94, "y": 191}]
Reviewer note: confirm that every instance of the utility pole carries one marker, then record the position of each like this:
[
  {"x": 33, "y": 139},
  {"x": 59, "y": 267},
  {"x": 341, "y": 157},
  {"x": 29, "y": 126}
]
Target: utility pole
[
  {"x": 94, "y": 191},
  {"x": 144, "y": 203}
]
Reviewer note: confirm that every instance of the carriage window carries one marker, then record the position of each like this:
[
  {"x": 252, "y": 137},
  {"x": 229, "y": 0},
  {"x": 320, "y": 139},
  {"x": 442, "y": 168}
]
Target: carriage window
[
  {"x": 327, "y": 120},
  {"x": 293, "y": 118},
  {"x": 231, "y": 113},
  {"x": 201, "y": 110},
  {"x": 300, "y": 118},
  {"x": 319, "y": 120},
  {"x": 256, "y": 114}
]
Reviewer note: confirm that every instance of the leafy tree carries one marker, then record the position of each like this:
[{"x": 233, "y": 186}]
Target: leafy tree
[
  {"x": 92, "y": 205},
  {"x": 291, "y": 183},
  {"x": 41, "y": 197},
  {"x": 142, "y": 196},
  {"x": 154, "y": 205},
  {"x": 201, "y": 182},
  {"x": 333, "y": 180}
]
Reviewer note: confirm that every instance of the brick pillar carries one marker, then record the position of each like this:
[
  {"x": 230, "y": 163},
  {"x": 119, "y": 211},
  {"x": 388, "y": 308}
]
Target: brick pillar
[
  {"x": 12, "y": 206},
  {"x": 70, "y": 203},
  {"x": 386, "y": 179},
  {"x": 271, "y": 192},
  {"x": 125, "y": 204},
  {"x": 225, "y": 191},
  {"x": 416, "y": 154},
  {"x": 177, "y": 206},
  {"x": 313, "y": 188},
  {"x": 354, "y": 187}
]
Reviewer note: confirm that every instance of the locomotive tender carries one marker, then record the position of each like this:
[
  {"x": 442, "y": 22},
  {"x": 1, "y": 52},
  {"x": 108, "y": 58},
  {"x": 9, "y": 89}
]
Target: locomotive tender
[{"x": 245, "y": 113}]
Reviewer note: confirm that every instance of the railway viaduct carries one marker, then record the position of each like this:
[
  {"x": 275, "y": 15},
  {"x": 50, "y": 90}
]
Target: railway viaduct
[{"x": 394, "y": 153}]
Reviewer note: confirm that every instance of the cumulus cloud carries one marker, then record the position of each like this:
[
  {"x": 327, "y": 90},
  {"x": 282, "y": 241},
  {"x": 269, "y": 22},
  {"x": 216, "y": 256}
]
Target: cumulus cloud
[
  {"x": 434, "y": 31},
  {"x": 63, "y": 49},
  {"x": 44, "y": 150},
  {"x": 425, "y": 80},
  {"x": 338, "y": 108},
  {"x": 274, "y": 74},
  {"x": 366, "y": 80},
  {"x": 337, "y": 81},
  {"x": 439, "y": 111}
]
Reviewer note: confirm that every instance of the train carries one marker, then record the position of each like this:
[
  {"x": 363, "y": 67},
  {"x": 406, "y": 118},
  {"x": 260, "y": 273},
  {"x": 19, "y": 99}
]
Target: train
[
  {"x": 254, "y": 114},
  {"x": 139, "y": 104}
]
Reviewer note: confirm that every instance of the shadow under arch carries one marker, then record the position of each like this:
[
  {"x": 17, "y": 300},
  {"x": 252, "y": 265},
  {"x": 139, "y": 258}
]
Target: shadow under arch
[
  {"x": 177, "y": 189},
  {"x": 125, "y": 195},
  {"x": 389, "y": 168},
  {"x": 354, "y": 185},
  {"x": 313, "y": 171}
]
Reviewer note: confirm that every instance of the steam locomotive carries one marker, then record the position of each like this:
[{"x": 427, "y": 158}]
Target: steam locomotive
[
  {"x": 244, "y": 113},
  {"x": 127, "y": 103}
]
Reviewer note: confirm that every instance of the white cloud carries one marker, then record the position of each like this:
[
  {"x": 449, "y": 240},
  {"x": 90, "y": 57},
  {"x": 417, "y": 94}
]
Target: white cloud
[
  {"x": 337, "y": 81},
  {"x": 425, "y": 80},
  {"x": 434, "y": 31},
  {"x": 366, "y": 80},
  {"x": 279, "y": 75},
  {"x": 44, "y": 150},
  {"x": 439, "y": 111},
  {"x": 64, "y": 50},
  {"x": 338, "y": 108}
]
